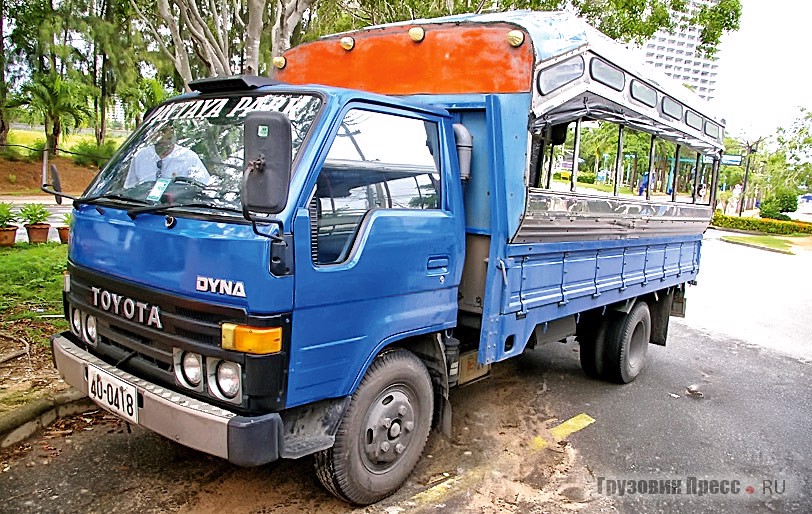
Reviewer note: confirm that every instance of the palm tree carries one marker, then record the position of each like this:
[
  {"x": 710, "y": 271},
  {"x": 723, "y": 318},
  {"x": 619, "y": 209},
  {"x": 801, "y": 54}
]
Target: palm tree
[
  {"x": 58, "y": 101},
  {"x": 141, "y": 97}
]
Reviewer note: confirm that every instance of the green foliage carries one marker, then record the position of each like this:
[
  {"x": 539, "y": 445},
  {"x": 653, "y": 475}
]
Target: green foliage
[
  {"x": 715, "y": 19},
  {"x": 586, "y": 177},
  {"x": 36, "y": 148},
  {"x": 13, "y": 152},
  {"x": 7, "y": 216},
  {"x": 67, "y": 218},
  {"x": 87, "y": 152},
  {"x": 12, "y": 178},
  {"x": 767, "y": 226},
  {"x": 31, "y": 277},
  {"x": 775, "y": 205},
  {"x": 62, "y": 103},
  {"x": 33, "y": 213}
]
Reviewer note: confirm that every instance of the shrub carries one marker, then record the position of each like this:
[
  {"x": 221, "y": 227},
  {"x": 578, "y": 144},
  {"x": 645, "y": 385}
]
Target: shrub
[
  {"x": 12, "y": 178},
  {"x": 7, "y": 217},
  {"x": 33, "y": 213},
  {"x": 770, "y": 211},
  {"x": 768, "y": 226},
  {"x": 774, "y": 205},
  {"x": 36, "y": 148},
  {"x": 562, "y": 175},
  {"x": 86, "y": 152},
  {"x": 13, "y": 151},
  {"x": 13, "y": 154},
  {"x": 586, "y": 178}
]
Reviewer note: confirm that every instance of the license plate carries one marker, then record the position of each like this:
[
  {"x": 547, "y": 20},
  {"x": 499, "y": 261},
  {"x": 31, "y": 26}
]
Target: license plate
[{"x": 112, "y": 393}]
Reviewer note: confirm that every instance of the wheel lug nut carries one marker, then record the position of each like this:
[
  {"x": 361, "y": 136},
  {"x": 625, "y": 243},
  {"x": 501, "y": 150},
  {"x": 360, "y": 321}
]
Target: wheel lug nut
[
  {"x": 385, "y": 446},
  {"x": 408, "y": 426},
  {"x": 399, "y": 448},
  {"x": 402, "y": 410},
  {"x": 386, "y": 422}
]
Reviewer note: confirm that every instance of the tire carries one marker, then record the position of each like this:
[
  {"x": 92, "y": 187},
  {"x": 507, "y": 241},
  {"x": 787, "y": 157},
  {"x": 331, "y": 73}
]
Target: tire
[
  {"x": 391, "y": 410},
  {"x": 592, "y": 346},
  {"x": 626, "y": 345}
]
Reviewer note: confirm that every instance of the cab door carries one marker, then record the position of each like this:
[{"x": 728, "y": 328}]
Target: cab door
[{"x": 378, "y": 249}]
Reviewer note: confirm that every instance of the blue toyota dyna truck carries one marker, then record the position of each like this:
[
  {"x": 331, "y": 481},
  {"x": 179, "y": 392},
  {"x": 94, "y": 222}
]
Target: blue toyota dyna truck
[{"x": 305, "y": 264}]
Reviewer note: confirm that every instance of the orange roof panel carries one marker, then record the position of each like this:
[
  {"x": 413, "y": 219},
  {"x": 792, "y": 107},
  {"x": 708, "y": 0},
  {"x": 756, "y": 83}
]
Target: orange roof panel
[{"x": 451, "y": 59}]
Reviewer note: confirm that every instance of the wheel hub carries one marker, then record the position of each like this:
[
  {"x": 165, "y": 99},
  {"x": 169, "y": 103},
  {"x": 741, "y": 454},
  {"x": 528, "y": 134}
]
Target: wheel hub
[{"x": 388, "y": 429}]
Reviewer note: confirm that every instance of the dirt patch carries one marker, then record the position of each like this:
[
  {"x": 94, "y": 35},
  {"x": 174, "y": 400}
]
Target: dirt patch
[
  {"x": 28, "y": 374},
  {"x": 799, "y": 244},
  {"x": 25, "y": 177}
]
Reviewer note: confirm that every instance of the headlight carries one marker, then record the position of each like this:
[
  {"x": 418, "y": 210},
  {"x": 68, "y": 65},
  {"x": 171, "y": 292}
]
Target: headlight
[
  {"x": 228, "y": 378},
  {"x": 192, "y": 368},
  {"x": 76, "y": 322},
  {"x": 90, "y": 329}
]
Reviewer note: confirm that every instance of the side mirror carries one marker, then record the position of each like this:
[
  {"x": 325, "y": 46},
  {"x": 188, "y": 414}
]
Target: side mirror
[
  {"x": 268, "y": 155},
  {"x": 55, "y": 187}
]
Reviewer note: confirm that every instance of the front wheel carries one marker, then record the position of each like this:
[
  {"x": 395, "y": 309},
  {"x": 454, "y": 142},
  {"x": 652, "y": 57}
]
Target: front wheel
[{"x": 383, "y": 432}]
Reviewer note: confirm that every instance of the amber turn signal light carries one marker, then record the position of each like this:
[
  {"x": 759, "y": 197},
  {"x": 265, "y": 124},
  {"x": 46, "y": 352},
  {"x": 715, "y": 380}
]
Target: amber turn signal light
[{"x": 256, "y": 340}]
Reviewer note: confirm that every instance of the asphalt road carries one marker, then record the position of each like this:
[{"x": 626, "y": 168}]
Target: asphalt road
[{"x": 745, "y": 346}]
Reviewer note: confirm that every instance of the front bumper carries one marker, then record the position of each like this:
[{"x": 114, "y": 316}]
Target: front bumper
[{"x": 245, "y": 441}]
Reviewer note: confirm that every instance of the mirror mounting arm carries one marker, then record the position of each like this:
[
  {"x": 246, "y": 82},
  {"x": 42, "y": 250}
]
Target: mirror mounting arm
[
  {"x": 258, "y": 166},
  {"x": 272, "y": 237}
]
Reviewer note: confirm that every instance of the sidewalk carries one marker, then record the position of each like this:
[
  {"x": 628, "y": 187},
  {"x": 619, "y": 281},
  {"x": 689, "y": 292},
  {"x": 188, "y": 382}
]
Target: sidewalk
[{"x": 44, "y": 199}]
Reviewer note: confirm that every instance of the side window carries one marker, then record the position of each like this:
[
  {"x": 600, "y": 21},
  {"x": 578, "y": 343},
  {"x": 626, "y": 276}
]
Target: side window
[{"x": 376, "y": 161}]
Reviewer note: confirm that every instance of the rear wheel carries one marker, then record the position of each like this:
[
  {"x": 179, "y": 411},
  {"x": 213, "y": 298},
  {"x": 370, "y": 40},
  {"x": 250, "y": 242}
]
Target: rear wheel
[
  {"x": 592, "y": 344},
  {"x": 627, "y": 344},
  {"x": 383, "y": 432}
]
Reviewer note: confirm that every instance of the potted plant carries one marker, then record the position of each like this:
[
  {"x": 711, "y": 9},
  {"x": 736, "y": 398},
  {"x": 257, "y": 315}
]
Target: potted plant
[
  {"x": 35, "y": 217},
  {"x": 64, "y": 231},
  {"x": 8, "y": 232}
]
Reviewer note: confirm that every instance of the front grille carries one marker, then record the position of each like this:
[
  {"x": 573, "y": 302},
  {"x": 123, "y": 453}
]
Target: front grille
[
  {"x": 141, "y": 347},
  {"x": 198, "y": 315}
]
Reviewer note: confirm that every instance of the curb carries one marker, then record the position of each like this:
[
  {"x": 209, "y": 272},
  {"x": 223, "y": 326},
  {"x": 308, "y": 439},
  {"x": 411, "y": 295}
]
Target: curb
[{"x": 25, "y": 421}]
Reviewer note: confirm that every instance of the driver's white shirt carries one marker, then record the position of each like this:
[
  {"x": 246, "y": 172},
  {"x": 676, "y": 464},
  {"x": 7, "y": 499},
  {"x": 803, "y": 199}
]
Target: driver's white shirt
[{"x": 180, "y": 162}]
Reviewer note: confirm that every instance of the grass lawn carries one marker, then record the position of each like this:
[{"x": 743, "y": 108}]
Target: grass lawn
[
  {"x": 35, "y": 138},
  {"x": 30, "y": 137},
  {"x": 31, "y": 281},
  {"x": 769, "y": 242}
]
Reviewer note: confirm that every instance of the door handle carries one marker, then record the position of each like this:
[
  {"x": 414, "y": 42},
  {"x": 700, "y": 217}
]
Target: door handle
[{"x": 437, "y": 265}]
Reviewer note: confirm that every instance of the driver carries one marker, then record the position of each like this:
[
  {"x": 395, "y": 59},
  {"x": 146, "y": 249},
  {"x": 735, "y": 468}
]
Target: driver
[{"x": 165, "y": 159}]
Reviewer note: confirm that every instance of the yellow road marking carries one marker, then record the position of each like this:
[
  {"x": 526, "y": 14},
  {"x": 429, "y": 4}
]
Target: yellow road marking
[
  {"x": 572, "y": 425},
  {"x": 539, "y": 443}
]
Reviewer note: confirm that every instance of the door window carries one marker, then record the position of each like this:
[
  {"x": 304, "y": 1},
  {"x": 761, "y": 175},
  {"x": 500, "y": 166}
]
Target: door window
[{"x": 377, "y": 161}]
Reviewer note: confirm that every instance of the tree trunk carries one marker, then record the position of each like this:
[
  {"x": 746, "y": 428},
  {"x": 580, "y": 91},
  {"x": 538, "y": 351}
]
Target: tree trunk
[
  {"x": 103, "y": 101},
  {"x": 49, "y": 135},
  {"x": 4, "y": 125},
  {"x": 253, "y": 33},
  {"x": 288, "y": 14},
  {"x": 57, "y": 131}
]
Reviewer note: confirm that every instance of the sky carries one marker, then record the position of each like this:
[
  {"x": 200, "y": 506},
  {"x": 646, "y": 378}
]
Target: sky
[{"x": 765, "y": 69}]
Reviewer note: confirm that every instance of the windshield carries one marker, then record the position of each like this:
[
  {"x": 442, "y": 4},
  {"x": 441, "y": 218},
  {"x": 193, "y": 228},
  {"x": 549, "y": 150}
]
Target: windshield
[{"x": 191, "y": 152}]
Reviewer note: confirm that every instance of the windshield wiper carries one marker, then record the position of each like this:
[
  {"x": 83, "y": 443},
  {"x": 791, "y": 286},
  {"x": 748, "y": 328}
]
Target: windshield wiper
[
  {"x": 93, "y": 200},
  {"x": 134, "y": 212}
]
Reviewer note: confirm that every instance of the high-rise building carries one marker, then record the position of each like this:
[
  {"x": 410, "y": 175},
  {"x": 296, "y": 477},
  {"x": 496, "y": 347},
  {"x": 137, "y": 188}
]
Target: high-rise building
[{"x": 676, "y": 55}]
